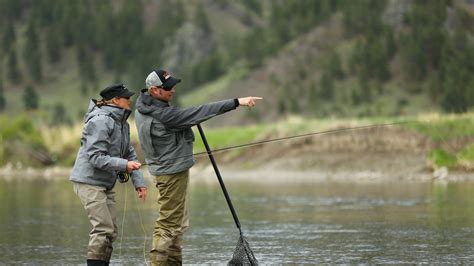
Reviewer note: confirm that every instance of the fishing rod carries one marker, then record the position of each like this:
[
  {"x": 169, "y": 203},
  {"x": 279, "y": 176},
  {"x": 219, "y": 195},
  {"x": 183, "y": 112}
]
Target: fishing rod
[{"x": 251, "y": 144}]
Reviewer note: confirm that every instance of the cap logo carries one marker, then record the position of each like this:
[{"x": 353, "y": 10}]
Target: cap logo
[{"x": 166, "y": 75}]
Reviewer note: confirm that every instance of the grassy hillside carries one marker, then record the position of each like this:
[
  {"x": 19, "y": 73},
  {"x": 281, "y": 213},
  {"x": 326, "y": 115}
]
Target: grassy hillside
[
  {"x": 290, "y": 83},
  {"x": 64, "y": 83},
  {"x": 308, "y": 58}
]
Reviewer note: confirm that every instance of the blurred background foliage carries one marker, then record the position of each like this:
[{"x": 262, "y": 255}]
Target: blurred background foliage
[{"x": 311, "y": 58}]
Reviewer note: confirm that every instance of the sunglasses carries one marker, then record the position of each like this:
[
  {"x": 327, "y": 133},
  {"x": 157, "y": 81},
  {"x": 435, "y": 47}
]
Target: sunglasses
[{"x": 166, "y": 89}]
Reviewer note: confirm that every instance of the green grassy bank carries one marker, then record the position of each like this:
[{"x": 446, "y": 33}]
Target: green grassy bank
[{"x": 24, "y": 143}]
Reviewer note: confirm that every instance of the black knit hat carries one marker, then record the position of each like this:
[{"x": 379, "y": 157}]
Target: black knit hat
[{"x": 118, "y": 90}]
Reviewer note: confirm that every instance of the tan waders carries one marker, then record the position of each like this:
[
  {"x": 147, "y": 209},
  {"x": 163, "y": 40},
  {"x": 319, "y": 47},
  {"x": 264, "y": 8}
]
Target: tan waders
[
  {"x": 172, "y": 221},
  {"x": 100, "y": 207}
]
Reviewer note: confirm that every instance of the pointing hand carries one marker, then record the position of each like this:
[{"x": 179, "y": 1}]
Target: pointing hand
[{"x": 249, "y": 101}]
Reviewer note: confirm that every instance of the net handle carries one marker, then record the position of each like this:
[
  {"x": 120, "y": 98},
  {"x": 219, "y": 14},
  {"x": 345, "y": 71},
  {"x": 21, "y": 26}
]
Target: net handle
[{"x": 218, "y": 174}]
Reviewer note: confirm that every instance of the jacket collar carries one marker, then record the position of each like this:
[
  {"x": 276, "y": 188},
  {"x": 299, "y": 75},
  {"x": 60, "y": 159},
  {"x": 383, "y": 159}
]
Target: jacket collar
[
  {"x": 147, "y": 104},
  {"x": 149, "y": 100},
  {"x": 117, "y": 113}
]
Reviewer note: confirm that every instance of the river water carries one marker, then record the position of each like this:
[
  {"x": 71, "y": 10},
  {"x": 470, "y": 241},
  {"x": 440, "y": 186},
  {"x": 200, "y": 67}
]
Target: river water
[{"x": 42, "y": 222}]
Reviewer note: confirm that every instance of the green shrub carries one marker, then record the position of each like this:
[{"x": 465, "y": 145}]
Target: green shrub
[
  {"x": 440, "y": 158},
  {"x": 446, "y": 128},
  {"x": 19, "y": 138},
  {"x": 466, "y": 157},
  {"x": 467, "y": 153}
]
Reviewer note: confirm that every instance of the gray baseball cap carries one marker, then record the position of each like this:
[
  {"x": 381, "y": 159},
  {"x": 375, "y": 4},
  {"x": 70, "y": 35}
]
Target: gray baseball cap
[{"x": 162, "y": 79}]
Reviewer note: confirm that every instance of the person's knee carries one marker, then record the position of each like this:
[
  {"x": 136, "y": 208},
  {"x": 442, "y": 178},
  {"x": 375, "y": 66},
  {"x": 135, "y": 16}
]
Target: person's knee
[
  {"x": 175, "y": 257},
  {"x": 158, "y": 257}
]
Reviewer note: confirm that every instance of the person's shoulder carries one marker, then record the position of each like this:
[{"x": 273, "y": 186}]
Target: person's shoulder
[
  {"x": 102, "y": 118},
  {"x": 100, "y": 114}
]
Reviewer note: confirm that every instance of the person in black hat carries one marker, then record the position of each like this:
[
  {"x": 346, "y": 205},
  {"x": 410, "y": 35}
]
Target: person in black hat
[
  {"x": 105, "y": 155},
  {"x": 167, "y": 140}
]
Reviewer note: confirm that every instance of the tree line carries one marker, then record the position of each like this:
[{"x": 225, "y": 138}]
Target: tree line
[
  {"x": 435, "y": 57},
  {"x": 118, "y": 34}
]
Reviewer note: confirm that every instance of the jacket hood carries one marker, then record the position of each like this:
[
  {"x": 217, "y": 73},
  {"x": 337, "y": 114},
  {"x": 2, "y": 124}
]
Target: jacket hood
[
  {"x": 115, "y": 112},
  {"x": 147, "y": 104}
]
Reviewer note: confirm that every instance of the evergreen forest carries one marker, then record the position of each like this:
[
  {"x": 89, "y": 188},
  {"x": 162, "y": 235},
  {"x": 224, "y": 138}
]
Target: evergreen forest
[{"x": 338, "y": 58}]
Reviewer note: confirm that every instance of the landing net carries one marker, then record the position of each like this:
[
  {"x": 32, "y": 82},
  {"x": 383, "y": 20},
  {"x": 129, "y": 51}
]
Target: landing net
[{"x": 243, "y": 255}]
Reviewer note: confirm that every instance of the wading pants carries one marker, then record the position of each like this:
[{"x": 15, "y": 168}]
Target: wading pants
[
  {"x": 100, "y": 207},
  {"x": 172, "y": 221}
]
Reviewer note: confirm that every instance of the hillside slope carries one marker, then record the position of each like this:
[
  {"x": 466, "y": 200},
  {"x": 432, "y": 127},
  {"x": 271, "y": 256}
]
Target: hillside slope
[
  {"x": 322, "y": 58},
  {"x": 283, "y": 79}
]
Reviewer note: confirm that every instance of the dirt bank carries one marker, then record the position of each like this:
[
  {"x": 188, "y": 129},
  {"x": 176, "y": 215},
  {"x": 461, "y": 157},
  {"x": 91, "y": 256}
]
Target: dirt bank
[
  {"x": 376, "y": 154},
  {"x": 385, "y": 154}
]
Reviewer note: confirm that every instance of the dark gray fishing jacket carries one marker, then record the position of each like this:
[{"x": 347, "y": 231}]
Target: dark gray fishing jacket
[
  {"x": 165, "y": 131},
  {"x": 105, "y": 148}
]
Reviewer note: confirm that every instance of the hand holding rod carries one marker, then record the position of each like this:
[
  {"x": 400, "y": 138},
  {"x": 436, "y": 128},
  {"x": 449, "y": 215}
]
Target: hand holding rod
[{"x": 218, "y": 174}]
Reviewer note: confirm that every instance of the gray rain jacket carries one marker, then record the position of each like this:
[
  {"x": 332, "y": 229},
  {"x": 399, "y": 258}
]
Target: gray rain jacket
[
  {"x": 105, "y": 148},
  {"x": 165, "y": 131}
]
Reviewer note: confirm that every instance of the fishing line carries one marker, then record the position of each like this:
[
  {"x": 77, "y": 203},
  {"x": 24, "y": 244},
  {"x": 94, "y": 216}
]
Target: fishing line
[
  {"x": 144, "y": 234},
  {"x": 123, "y": 220},
  {"x": 302, "y": 136},
  {"x": 123, "y": 225},
  {"x": 251, "y": 144}
]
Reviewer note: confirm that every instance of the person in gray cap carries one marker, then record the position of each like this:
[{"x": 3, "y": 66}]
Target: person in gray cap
[
  {"x": 105, "y": 154},
  {"x": 167, "y": 140}
]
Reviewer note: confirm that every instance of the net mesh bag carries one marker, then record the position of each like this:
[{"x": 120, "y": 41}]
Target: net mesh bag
[{"x": 243, "y": 255}]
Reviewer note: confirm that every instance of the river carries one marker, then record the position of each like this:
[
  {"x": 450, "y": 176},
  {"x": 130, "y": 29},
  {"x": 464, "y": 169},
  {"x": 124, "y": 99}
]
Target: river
[{"x": 43, "y": 222}]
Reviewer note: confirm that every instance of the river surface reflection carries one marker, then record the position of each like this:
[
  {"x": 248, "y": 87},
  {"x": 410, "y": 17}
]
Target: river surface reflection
[{"x": 43, "y": 222}]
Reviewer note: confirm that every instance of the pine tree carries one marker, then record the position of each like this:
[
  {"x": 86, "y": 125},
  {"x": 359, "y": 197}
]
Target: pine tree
[
  {"x": 378, "y": 60},
  {"x": 456, "y": 74},
  {"x": 201, "y": 19},
  {"x": 106, "y": 31},
  {"x": 365, "y": 91},
  {"x": 3, "y": 101},
  {"x": 68, "y": 22},
  {"x": 363, "y": 16},
  {"x": 53, "y": 44},
  {"x": 454, "y": 86},
  {"x": 327, "y": 86},
  {"x": 11, "y": 9},
  {"x": 421, "y": 47},
  {"x": 86, "y": 65},
  {"x": 13, "y": 71},
  {"x": 253, "y": 51},
  {"x": 59, "y": 114},
  {"x": 30, "y": 98},
  {"x": 254, "y": 6},
  {"x": 32, "y": 56},
  {"x": 172, "y": 14},
  {"x": 282, "y": 97},
  {"x": 335, "y": 67},
  {"x": 8, "y": 37}
]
